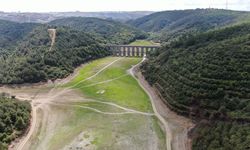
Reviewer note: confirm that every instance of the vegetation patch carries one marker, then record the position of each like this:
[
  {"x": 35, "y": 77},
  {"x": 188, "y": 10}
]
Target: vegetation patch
[
  {"x": 120, "y": 88},
  {"x": 14, "y": 119},
  {"x": 169, "y": 25},
  {"x": 142, "y": 43},
  {"x": 109, "y": 31},
  {"x": 207, "y": 76},
  {"x": 225, "y": 135}
]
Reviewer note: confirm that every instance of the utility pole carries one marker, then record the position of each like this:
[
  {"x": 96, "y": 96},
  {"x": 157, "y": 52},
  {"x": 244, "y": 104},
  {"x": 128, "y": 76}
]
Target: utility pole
[
  {"x": 210, "y": 3},
  {"x": 226, "y": 4}
]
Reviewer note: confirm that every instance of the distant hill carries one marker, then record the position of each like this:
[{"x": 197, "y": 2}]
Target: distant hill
[
  {"x": 27, "y": 17},
  {"x": 171, "y": 24},
  {"x": 207, "y": 76},
  {"x": 11, "y": 32},
  {"x": 29, "y": 58},
  {"x": 109, "y": 30},
  {"x": 47, "y": 17},
  {"x": 119, "y": 16}
]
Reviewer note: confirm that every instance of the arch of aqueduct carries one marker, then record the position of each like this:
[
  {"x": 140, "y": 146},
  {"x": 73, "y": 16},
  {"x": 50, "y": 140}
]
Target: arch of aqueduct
[{"x": 131, "y": 51}]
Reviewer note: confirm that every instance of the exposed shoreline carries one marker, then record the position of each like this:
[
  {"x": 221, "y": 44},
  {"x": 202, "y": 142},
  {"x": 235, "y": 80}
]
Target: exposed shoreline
[{"x": 176, "y": 126}]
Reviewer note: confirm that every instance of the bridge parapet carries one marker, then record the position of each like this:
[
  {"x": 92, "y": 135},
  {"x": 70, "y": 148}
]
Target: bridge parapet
[{"x": 131, "y": 51}]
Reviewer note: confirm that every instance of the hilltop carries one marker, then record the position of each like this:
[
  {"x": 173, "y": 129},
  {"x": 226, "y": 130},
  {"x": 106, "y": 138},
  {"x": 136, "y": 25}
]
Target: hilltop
[
  {"x": 50, "y": 16},
  {"x": 108, "y": 30},
  {"x": 172, "y": 24},
  {"x": 28, "y": 56}
]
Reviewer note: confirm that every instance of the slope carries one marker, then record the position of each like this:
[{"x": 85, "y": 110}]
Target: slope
[
  {"x": 30, "y": 59},
  {"x": 207, "y": 76},
  {"x": 11, "y": 32},
  {"x": 108, "y": 30},
  {"x": 171, "y": 24}
]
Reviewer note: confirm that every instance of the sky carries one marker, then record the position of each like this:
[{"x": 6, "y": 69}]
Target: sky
[{"x": 117, "y": 5}]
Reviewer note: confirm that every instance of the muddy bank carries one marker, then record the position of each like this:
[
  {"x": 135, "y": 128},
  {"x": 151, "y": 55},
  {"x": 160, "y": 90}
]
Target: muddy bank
[{"x": 177, "y": 126}]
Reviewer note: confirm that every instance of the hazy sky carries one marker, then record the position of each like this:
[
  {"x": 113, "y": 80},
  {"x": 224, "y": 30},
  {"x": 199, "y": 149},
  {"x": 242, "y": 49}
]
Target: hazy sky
[{"x": 117, "y": 5}]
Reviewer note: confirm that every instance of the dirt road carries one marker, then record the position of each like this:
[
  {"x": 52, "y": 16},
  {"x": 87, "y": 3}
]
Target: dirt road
[
  {"x": 176, "y": 127},
  {"x": 39, "y": 101},
  {"x": 52, "y": 34},
  {"x": 42, "y": 99}
]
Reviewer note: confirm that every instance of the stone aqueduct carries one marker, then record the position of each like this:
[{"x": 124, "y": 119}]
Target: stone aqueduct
[{"x": 131, "y": 51}]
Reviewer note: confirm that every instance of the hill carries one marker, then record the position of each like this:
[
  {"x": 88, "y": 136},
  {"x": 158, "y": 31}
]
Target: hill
[
  {"x": 119, "y": 16},
  {"x": 108, "y": 30},
  {"x": 11, "y": 32},
  {"x": 171, "y": 24},
  {"x": 207, "y": 76},
  {"x": 29, "y": 59},
  {"x": 47, "y": 17}
]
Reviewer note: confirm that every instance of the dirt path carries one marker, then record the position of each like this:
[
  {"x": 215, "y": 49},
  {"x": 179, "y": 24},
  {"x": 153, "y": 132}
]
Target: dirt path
[
  {"x": 70, "y": 87},
  {"x": 52, "y": 34},
  {"x": 31, "y": 130},
  {"x": 105, "y": 81},
  {"x": 41, "y": 100},
  {"x": 127, "y": 111},
  {"x": 104, "y": 68},
  {"x": 176, "y": 127},
  {"x": 162, "y": 120}
]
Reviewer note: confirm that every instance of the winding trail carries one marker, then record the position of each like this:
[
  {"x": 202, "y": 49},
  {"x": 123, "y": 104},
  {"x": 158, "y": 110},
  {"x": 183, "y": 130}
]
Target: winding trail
[
  {"x": 35, "y": 106},
  {"x": 105, "y": 81},
  {"x": 128, "y": 111},
  {"x": 31, "y": 130},
  {"x": 158, "y": 115},
  {"x": 70, "y": 87},
  {"x": 104, "y": 68},
  {"x": 52, "y": 95},
  {"x": 52, "y": 34},
  {"x": 176, "y": 126}
]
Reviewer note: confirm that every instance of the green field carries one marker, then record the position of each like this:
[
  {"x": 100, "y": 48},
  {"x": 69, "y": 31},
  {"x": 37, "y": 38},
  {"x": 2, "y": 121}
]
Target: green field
[
  {"x": 123, "y": 89},
  {"x": 102, "y": 118}
]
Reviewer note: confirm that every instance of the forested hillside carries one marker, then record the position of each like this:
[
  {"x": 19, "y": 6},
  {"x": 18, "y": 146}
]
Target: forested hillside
[
  {"x": 30, "y": 59},
  {"x": 207, "y": 76},
  {"x": 108, "y": 30},
  {"x": 14, "y": 119},
  {"x": 11, "y": 32},
  {"x": 171, "y": 24}
]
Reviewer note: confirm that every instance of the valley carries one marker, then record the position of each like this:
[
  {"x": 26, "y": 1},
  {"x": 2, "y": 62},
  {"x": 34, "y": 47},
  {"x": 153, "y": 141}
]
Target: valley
[
  {"x": 90, "y": 112},
  {"x": 174, "y": 80}
]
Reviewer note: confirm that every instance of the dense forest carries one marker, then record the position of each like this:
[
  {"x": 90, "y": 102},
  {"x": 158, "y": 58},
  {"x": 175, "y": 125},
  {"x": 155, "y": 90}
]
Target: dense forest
[
  {"x": 221, "y": 136},
  {"x": 168, "y": 25},
  {"x": 110, "y": 31},
  {"x": 29, "y": 59},
  {"x": 11, "y": 32},
  {"x": 207, "y": 76},
  {"x": 14, "y": 119}
]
